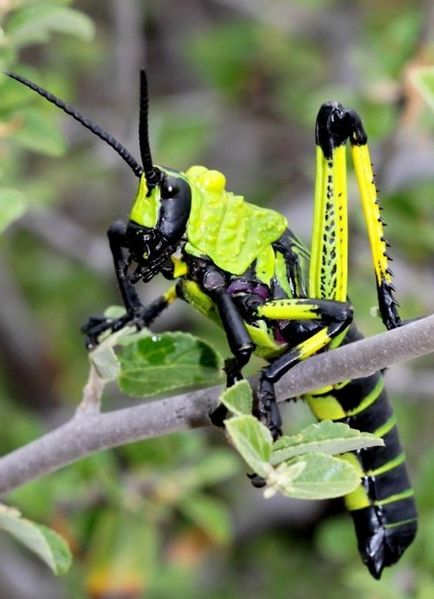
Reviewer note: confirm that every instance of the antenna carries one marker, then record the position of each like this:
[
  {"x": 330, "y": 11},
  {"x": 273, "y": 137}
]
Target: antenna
[
  {"x": 93, "y": 127},
  {"x": 151, "y": 173}
]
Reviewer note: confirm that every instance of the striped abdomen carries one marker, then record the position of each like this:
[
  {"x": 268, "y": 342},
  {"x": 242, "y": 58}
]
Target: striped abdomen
[{"x": 383, "y": 507}]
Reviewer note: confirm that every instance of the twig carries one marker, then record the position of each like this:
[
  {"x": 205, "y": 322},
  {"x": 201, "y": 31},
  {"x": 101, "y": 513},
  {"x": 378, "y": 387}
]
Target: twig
[
  {"x": 92, "y": 394},
  {"x": 92, "y": 432}
]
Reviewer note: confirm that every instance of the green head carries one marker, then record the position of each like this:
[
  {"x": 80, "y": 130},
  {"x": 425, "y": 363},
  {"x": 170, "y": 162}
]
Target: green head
[
  {"x": 162, "y": 216},
  {"x": 152, "y": 209}
]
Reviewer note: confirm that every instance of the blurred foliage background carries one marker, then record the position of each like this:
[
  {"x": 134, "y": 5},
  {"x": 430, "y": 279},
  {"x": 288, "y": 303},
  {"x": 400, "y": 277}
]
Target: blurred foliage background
[{"x": 235, "y": 85}]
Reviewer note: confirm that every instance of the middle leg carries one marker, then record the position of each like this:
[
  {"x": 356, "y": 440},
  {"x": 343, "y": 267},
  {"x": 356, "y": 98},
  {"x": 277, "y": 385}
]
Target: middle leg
[{"x": 329, "y": 319}]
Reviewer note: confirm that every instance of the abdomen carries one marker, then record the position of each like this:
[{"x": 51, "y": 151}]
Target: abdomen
[{"x": 383, "y": 507}]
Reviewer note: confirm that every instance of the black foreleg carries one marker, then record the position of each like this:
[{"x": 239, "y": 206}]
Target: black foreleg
[
  {"x": 136, "y": 313},
  {"x": 236, "y": 333}
]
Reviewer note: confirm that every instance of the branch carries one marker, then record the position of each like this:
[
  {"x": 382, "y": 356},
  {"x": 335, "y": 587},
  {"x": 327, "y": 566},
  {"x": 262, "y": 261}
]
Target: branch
[{"x": 90, "y": 431}]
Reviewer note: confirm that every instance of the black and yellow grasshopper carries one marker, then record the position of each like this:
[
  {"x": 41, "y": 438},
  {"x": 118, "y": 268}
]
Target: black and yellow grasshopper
[{"x": 242, "y": 266}]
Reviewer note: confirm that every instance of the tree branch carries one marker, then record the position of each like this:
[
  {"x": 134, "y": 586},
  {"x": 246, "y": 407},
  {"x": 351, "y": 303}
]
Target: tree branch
[{"x": 89, "y": 431}]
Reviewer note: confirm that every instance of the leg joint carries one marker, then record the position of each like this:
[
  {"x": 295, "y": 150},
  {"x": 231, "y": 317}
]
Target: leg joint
[
  {"x": 116, "y": 230},
  {"x": 335, "y": 125}
]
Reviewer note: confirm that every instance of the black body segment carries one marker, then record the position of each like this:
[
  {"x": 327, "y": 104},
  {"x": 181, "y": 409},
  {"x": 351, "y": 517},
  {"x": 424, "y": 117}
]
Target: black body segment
[
  {"x": 380, "y": 540},
  {"x": 383, "y": 509}
]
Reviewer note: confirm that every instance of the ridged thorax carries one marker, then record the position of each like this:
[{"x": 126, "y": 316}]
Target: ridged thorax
[{"x": 213, "y": 222}]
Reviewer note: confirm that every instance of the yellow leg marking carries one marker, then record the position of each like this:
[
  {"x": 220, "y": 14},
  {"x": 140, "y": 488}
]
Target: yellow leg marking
[
  {"x": 336, "y": 342},
  {"x": 371, "y": 210},
  {"x": 341, "y": 201},
  {"x": 328, "y": 276},
  {"x": 318, "y": 221},
  {"x": 170, "y": 295},
  {"x": 180, "y": 268},
  {"x": 288, "y": 310},
  {"x": 266, "y": 347},
  {"x": 313, "y": 344}
]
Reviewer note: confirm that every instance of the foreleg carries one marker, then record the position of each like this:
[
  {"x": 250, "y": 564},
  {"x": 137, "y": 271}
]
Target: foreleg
[
  {"x": 238, "y": 338},
  {"x": 136, "y": 313}
]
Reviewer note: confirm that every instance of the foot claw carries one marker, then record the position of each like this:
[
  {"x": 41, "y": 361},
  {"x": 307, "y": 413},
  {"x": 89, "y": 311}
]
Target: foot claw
[
  {"x": 257, "y": 481},
  {"x": 97, "y": 325},
  {"x": 218, "y": 415}
]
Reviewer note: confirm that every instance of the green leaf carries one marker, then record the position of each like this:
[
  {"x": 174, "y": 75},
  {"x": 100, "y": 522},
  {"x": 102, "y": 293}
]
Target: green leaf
[
  {"x": 43, "y": 541},
  {"x": 325, "y": 437},
  {"x": 161, "y": 363},
  {"x": 423, "y": 79},
  {"x": 313, "y": 476},
  {"x": 238, "y": 398},
  {"x": 12, "y": 205},
  {"x": 253, "y": 441},
  {"x": 210, "y": 514},
  {"x": 104, "y": 358},
  {"x": 34, "y": 24}
]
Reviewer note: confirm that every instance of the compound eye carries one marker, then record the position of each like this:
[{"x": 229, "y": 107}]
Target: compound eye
[{"x": 169, "y": 187}]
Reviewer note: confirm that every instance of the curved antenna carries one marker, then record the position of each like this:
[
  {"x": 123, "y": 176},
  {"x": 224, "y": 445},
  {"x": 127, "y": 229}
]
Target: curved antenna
[
  {"x": 93, "y": 127},
  {"x": 151, "y": 173}
]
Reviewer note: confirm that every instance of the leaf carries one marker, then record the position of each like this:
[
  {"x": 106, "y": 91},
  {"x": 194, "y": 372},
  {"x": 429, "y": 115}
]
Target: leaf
[
  {"x": 324, "y": 437},
  {"x": 34, "y": 24},
  {"x": 238, "y": 398},
  {"x": 12, "y": 205},
  {"x": 423, "y": 79},
  {"x": 253, "y": 441},
  {"x": 104, "y": 358},
  {"x": 313, "y": 476},
  {"x": 43, "y": 541},
  {"x": 160, "y": 363},
  {"x": 209, "y": 514}
]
